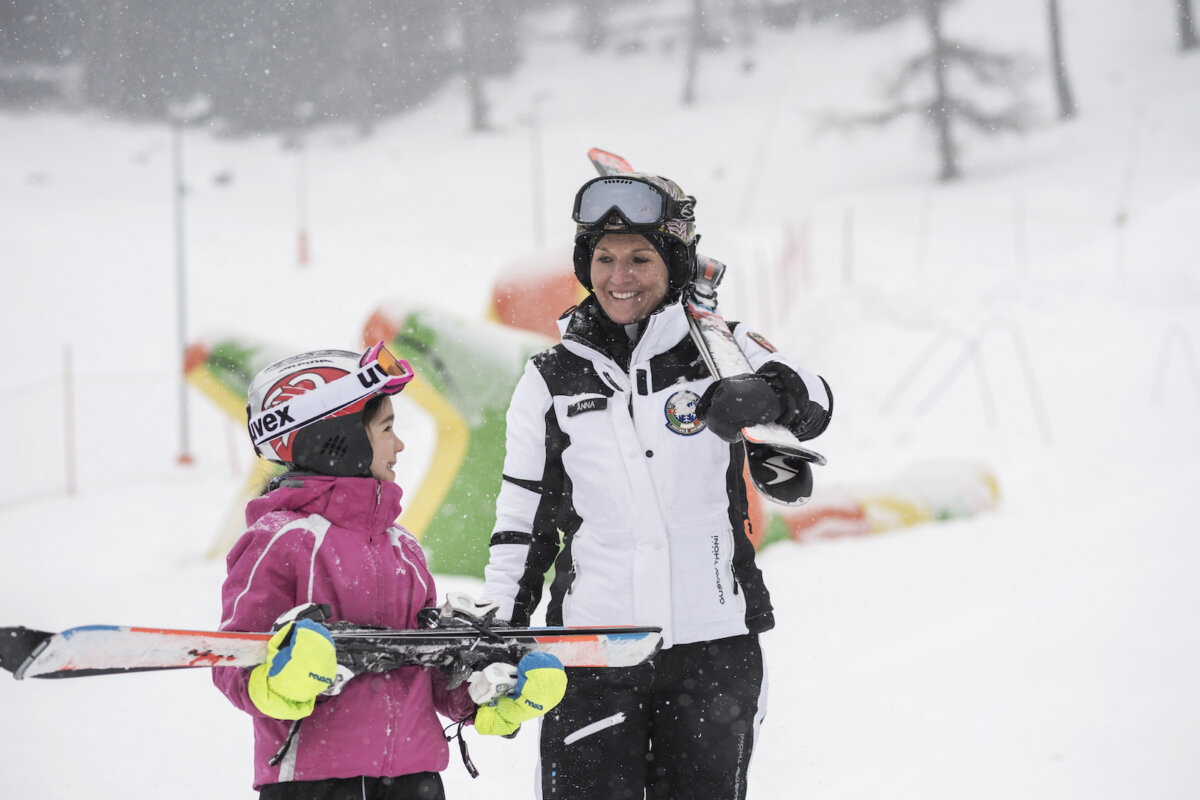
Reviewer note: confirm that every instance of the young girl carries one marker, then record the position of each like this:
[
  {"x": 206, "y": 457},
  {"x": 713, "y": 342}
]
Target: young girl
[{"x": 324, "y": 533}]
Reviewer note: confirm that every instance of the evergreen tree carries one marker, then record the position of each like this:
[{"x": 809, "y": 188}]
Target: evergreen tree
[{"x": 940, "y": 105}]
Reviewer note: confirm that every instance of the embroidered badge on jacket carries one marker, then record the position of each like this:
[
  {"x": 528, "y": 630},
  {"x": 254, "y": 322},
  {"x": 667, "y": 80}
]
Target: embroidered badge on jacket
[{"x": 681, "y": 413}]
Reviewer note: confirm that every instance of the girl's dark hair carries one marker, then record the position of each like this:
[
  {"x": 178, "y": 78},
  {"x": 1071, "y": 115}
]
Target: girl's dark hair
[{"x": 371, "y": 409}]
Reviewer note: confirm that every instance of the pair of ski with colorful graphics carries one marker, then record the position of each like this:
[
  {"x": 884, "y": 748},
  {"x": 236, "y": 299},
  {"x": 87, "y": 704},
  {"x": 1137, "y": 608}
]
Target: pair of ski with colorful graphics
[{"x": 456, "y": 642}]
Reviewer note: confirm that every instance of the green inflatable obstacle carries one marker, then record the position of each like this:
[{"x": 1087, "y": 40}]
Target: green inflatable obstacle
[{"x": 466, "y": 373}]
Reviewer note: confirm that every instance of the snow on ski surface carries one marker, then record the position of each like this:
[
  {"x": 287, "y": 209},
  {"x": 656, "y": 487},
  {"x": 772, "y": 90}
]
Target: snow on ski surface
[{"x": 1047, "y": 650}]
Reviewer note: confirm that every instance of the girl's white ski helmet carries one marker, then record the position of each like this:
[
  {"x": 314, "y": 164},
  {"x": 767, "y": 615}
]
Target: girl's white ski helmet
[{"x": 306, "y": 411}]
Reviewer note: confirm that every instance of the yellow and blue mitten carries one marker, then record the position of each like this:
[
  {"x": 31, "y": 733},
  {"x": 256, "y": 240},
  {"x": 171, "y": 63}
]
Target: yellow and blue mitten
[
  {"x": 301, "y": 664},
  {"x": 541, "y": 682}
]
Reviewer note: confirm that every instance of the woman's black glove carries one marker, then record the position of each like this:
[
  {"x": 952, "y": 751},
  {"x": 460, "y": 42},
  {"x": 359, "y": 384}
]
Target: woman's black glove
[
  {"x": 798, "y": 413},
  {"x": 773, "y": 394},
  {"x": 733, "y": 403}
]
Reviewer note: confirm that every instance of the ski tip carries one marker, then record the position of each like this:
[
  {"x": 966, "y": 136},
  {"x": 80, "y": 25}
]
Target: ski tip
[
  {"x": 607, "y": 163},
  {"x": 763, "y": 441},
  {"x": 782, "y": 477},
  {"x": 18, "y": 646}
]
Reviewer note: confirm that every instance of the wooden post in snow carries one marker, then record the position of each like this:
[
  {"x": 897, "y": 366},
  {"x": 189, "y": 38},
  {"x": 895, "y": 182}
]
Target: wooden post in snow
[{"x": 69, "y": 419}]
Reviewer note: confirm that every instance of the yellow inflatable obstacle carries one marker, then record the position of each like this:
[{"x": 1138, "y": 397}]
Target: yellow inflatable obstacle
[{"x": 221, "y": 369}]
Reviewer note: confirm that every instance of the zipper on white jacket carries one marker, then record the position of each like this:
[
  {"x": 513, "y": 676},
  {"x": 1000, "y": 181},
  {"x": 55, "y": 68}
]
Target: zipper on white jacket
[
  {"x": 729, "y": 564},
  {"x": 569, "y": 597}
]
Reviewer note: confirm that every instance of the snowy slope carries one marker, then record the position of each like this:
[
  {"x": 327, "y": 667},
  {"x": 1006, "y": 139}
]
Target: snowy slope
[{"x": 1045, "y": 650}]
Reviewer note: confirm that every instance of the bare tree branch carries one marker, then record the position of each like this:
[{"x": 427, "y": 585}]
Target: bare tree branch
[
  {"x": 843, "y": 123},
  {"x": 987, "y": 67},
  {"x": 913, "y": 69},
  {"x": 1014, "y": 118}
]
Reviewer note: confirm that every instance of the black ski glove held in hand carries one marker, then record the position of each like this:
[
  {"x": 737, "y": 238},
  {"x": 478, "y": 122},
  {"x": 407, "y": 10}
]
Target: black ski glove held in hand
[
  {"x": 733, "y": 403},
  {"x": 799, "y": 414}
]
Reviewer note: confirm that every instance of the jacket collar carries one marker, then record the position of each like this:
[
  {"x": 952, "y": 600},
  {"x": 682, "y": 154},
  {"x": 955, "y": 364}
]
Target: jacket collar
[
  {"x": 585, "y": 333},
  {"x": 364, "y": 504}
]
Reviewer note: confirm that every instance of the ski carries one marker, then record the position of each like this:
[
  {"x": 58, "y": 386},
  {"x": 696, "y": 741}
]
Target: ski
[
  {"x": 607, "y": 163},
  {"x": 779, "y": 464},
  {"x": 456, "y": 650},
  {"x": 725, "y": 358}
]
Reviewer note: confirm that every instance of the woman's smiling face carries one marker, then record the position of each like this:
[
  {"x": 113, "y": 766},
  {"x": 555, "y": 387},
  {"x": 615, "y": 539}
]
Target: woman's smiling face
[{"x": 629, "y": 277}]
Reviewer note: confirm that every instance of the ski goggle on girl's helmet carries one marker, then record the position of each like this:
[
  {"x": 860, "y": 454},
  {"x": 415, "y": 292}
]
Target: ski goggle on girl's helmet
[{"x": 307, "y": 410}]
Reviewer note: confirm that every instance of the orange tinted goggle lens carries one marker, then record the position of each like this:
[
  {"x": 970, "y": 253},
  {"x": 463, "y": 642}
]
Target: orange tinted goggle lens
[
  {"x": 399, "y": 371},
  {"x": 396, "y": 367}
]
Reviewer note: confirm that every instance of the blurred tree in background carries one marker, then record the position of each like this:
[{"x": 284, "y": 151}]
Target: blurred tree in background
[
  {"x": 259, "y": 62},
  {"x": 921, "y": 87},
  {"x": 488, "y": 47},
  {"x": 270, "y": 65},
  {"x": 1186, "y": 25},
  {"x": 1062, "y": 83}
]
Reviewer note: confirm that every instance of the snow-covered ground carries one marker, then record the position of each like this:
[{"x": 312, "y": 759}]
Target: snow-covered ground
[{"x": 1044, "y": 650}]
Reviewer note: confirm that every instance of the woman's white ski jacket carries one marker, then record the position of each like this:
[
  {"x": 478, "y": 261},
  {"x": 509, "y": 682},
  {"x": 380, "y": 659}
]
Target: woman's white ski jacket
[{"x": 610, "y": 478}]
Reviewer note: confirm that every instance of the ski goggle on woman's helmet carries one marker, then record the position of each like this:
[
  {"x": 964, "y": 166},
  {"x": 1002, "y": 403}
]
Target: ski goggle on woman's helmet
[
  {"x": 306, "y": 410},
  {"x": 635, "y": 202}
]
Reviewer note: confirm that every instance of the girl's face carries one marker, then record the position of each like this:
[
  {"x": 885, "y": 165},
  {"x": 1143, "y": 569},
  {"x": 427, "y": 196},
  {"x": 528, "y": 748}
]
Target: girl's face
[
  {"x": 629, "y": 277},
  {"x": 385, "y": 444}
]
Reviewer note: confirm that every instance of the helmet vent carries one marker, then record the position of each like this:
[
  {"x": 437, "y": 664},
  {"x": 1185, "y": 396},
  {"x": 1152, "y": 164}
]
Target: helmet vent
[{"x": 334, "y": 447}]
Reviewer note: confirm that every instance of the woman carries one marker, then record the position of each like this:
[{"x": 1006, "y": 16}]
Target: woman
[
  {"x": 324, "y": 533},
  {"x": 620, "y": 440}
]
